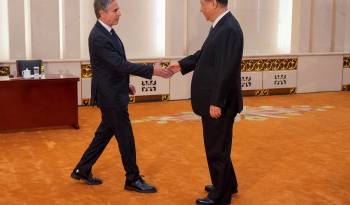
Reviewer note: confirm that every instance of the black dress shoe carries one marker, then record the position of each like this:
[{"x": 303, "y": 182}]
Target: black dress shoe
[
  {"x": 208, "y": 201},
  {"x": 139, "y": 185},
  {"x": 88, "y": 179},
  {"x": 205, "y": 201},
  {"x": 209, "y": 188}
]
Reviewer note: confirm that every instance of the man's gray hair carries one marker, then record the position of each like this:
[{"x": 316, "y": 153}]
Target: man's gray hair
[{"x": 101, "y": 5}]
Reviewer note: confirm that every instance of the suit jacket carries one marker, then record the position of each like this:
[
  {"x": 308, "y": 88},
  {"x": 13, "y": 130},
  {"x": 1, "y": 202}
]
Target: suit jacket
[
  {"x": 111, "y": 70},
  {"x": 217, "y": 74}
]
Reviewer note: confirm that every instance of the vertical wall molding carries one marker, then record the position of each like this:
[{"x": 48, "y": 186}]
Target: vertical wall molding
[
  {"x": 61, "y": 26},
  {"x": 28, "y": 28},
  {"x": 334, "y": 26},
  {"x": 185, "y": 22},
  {"x": 312, "y": 13}
]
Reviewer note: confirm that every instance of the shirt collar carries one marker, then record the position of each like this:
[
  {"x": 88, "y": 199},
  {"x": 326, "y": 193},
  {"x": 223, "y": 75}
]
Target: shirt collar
[
  {"x": 108, "y": 28},
  {"x": 219, "y": 18}
]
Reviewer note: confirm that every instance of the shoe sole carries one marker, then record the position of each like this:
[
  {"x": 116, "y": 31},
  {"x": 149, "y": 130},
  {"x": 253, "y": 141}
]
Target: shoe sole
[
  {"x": 128, "y": 188},
  {"x": 75, "y": 177},
  {"x": 84, "y": 180}
]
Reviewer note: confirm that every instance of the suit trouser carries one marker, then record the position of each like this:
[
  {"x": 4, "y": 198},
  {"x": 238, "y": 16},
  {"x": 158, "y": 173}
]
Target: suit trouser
[
  {"x": 116, "y": 122},
  {"x": 218, "y": 142}
]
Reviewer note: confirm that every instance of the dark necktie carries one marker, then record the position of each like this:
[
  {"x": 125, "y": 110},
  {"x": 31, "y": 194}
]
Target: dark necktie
[
  {"x": 118, "y": 41},
  {"x": 211, "y": 29},
  {"x": 114, "y": 34}
]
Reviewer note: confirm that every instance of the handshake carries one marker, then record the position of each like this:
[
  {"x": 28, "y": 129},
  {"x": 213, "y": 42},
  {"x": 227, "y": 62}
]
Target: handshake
[{"x": 173, "y": 68}]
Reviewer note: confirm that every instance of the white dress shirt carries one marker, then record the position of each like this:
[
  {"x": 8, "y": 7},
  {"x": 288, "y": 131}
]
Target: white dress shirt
[
  {"x": 220, "y": 17},
  {"x": 108, "y": 28}
]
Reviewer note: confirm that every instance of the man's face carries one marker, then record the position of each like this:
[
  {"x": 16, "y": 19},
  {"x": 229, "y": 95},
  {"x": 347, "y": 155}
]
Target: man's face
[
  {"x": 207, "y": 8},
  {"x": 112, "y": 14}
]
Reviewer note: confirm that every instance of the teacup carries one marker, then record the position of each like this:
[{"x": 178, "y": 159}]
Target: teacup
[{"x": 26, "y": 73}]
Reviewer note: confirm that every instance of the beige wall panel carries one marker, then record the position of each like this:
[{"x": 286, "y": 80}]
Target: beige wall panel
[
  {"x": 319, "y": 73},
  {"x": 71, "y": 29},
  {"x": 259, "y": 22},
  {"x": 17, "y": 29},
  {"x": 64, "y": 68},
  {"x": 45, "y": 29},
  {"x": 85, "y": 88},
  {"x": 4, "y": 31},
  {"x": 339, "y": 28},
  {"x": 347, "y": 28},
  {"x": 175, "y": 27},
  {"x": 301, "y": 26},
  {"x": 322, "y": 26}
]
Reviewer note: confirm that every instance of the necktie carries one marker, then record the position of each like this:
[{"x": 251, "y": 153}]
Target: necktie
[
  {"x": 114, "y": 34},
  {"x": 211, "y": 29},
  {"x": 118, "y": 41}
]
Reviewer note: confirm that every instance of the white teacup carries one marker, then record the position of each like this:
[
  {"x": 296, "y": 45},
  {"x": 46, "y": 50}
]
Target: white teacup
[{"x": 26, "y": 73}]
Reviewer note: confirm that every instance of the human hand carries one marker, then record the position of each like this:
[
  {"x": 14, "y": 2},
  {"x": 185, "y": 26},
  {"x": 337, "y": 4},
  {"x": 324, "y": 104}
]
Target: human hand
[
  {"x": 132, "y": 90},
  {"x": 215, "y": 112},
  {"x": 174, "y": 67},
  {"x": 159, "y": 71}
]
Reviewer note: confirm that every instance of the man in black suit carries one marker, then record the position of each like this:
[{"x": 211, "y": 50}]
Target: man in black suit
[
  {"x": 110, "y": 91},
  {"x": 216, "y": 95}
]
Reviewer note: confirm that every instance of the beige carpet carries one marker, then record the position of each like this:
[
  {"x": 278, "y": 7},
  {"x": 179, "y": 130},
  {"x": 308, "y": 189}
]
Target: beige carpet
[{"x": 287, "y": 150}]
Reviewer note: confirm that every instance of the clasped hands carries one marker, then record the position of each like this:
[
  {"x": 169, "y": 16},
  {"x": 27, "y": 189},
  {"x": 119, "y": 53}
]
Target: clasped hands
[
  {"x": 214, "y": 111},
  {"x": 158, "y": 70}
]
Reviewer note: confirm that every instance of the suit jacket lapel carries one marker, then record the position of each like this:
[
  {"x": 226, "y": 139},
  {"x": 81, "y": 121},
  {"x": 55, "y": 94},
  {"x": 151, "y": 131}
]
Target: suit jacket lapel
[
  {"x": 213, "y": 31},
  {"x": 118, "y": 45},
  {"x": 223, "y": 20}
]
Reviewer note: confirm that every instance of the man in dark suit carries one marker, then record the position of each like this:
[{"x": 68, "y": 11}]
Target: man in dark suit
[
  {"x": 110, "y": 91},
  {"x": 216, "y": 95}
]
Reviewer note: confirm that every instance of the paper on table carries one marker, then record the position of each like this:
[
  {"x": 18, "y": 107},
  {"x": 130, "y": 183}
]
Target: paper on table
[{"x": 4, "y": 78}]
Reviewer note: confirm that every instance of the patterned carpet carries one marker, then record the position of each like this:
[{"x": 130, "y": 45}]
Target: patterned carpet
[{"x": 287, "y": 150}]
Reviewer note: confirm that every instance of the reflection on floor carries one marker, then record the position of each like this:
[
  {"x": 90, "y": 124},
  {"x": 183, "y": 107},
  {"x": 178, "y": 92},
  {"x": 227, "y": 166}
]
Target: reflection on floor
[
  {"x": 287, "y": 150},
  {"x": 249, "y": 113}
]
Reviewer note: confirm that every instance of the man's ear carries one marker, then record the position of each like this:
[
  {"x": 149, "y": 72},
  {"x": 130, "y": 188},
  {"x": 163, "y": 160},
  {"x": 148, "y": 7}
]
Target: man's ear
[{"x": 101, "y": 12}]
